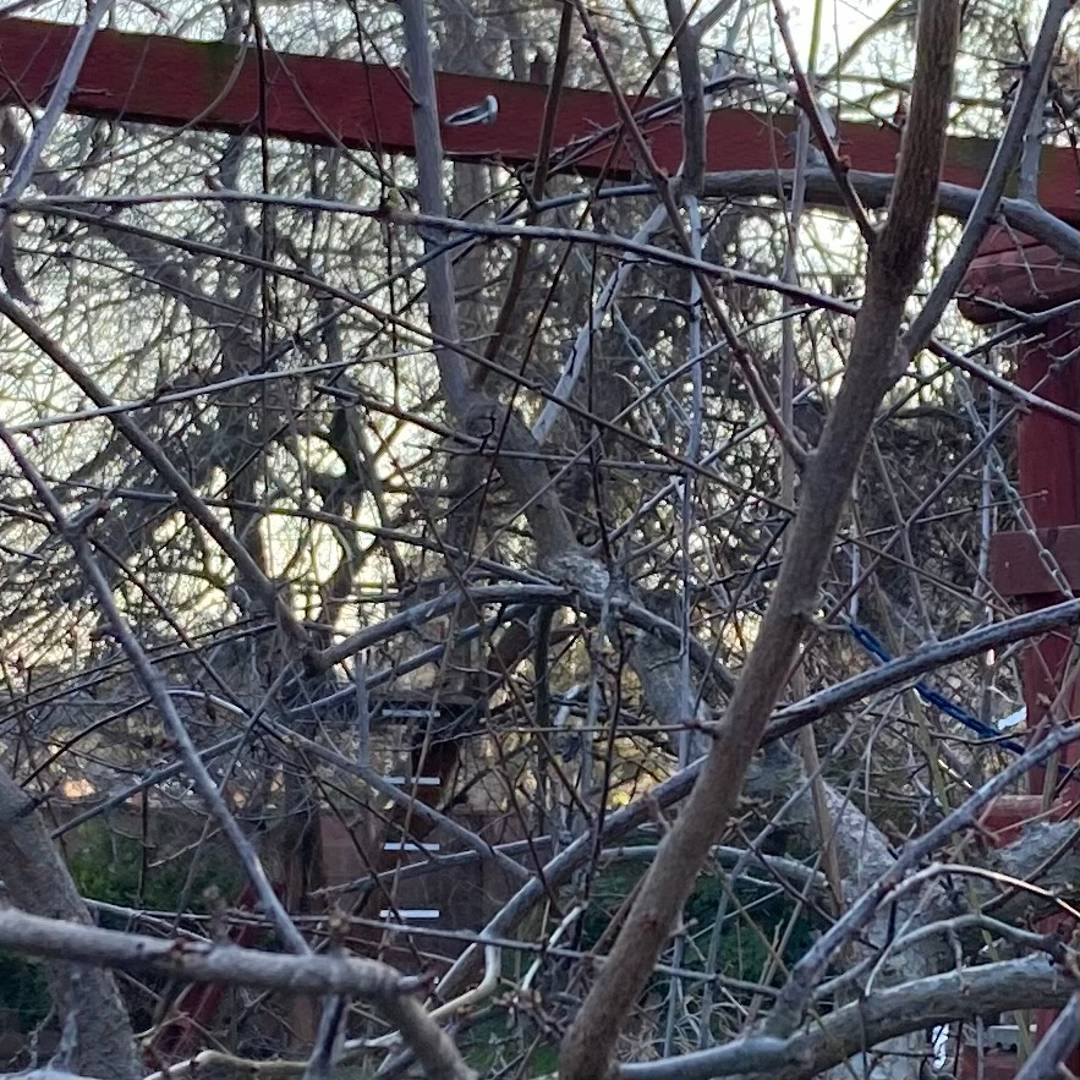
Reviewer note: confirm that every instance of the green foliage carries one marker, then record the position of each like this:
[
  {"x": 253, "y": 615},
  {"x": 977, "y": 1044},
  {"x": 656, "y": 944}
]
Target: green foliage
[
  {"x": 24, "y": 992},
  {"x": 490, "y": 1042},
  {"x": 485, "y": 1045},
  {"x": 106, "y": 866},
  {"x": 742, "y": 954}
]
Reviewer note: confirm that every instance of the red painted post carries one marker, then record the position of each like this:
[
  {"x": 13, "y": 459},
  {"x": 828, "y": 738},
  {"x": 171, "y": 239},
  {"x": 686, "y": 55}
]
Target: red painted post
[
  {"x": 197, "y": 1004},
  {"x": 1027, "y": 277}
]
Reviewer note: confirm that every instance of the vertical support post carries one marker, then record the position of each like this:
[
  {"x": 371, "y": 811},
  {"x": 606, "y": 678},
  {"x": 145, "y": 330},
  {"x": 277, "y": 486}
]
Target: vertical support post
[
  {"x": 1048, "y": 463},
  {"x": 1022, "y": 275}
]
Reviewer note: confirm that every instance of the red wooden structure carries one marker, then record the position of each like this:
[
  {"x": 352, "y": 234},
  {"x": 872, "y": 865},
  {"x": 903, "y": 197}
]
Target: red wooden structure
[
  {"x": 212, "y": 86},
  {"x": 1026, "y": 276},
  {"x": 216, "y": 87},
  {"x": 197, "y": 1004}
]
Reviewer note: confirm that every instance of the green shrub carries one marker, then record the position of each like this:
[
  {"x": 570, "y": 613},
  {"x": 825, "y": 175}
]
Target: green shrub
[
  {"x": 24, "y": 991},
  {"x": 106, "y": 865}
]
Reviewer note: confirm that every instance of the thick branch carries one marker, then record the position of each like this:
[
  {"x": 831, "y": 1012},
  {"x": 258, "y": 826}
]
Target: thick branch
[
  {"x": 926, "y": 658},
  {"x": 1005, "y": 156},
  {"x": 924, "y": 1003},
  {"x": 687, "y": 44},
  {"x": 875, "y": 189},
  {"x": 209, "y": 962},
  {"x": 1057, "y": 1044},
  {"x": 36, "y": 878},
  {"x": 199, "y": 961},
  {"x": 873, "y": 366},
  {"x": 429, "y": 159}
]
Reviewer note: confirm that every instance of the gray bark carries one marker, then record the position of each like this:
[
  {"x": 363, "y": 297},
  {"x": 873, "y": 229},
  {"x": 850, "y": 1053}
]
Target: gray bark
[{"x": 37, "y": 881}]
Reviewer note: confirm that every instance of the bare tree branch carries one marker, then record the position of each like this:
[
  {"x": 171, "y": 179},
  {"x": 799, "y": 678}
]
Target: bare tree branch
[
  {"x": 34, "y": 876},
  {"x": 22, "y": 171},
  {"x": 914, "y": 1006},
  {"x": 875, "y": 362},
  {"x": 1045, "y": 1061}
]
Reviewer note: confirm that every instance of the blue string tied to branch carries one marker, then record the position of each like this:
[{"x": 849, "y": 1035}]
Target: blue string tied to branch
[{"x": 876, "y": 649}]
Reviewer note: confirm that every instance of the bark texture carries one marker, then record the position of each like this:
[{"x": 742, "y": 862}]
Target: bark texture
[
  {"x": 874, "y": 364},
  {"x": 37, "y": 881}
]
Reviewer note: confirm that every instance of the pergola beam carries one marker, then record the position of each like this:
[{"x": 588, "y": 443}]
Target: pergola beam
[{"x": 212, "y": 86}]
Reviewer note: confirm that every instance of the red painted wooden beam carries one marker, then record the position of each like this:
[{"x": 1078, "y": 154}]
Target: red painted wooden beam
[
  {"x": 211, "y": 86},
  {"x": 1015, "y": 271},
  {"x": 1015, "y": 566}
]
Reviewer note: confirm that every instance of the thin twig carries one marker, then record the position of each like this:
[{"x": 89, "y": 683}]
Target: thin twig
[
  {"x": 74, "y": 532},
  {"x": 1027, "y": 107},
  {"x": 22, "y": 171}
]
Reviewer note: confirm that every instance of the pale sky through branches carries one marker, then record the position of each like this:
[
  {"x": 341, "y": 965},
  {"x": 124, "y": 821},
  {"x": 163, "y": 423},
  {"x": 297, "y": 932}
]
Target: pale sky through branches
[{"x": 841, "y": 22}]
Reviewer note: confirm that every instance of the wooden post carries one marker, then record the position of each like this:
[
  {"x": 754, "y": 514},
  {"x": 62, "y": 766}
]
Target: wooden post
[{"x": 1018, "y": 274}]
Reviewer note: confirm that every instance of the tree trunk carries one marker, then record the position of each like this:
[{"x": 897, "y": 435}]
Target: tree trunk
[{"x": 37, "y": 881}]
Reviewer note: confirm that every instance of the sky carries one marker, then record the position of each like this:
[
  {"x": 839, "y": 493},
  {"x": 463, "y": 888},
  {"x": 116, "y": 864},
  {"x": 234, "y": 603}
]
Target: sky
[{"x": 842, "y": 21}]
